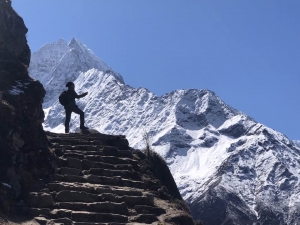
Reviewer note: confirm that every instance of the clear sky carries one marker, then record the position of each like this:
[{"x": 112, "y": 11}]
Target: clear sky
[{"x": 247, "y": 52}]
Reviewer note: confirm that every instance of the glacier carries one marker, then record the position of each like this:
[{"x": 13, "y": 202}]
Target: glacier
[{"x": 229, "y": 168}]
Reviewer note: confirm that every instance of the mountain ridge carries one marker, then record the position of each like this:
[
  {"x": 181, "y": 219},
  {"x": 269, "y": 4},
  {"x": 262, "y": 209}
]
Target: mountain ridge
[{"x": 215, "y": 152}]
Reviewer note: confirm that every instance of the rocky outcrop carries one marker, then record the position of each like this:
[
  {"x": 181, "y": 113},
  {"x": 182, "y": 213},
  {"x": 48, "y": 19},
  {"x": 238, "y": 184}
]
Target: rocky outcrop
[
  {"x": 100, "y": 180},
  {"x": 24, "y": 155}
]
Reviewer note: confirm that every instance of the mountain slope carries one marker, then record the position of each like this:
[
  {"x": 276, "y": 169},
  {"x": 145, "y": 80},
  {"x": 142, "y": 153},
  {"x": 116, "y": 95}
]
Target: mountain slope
[{"x": 229, "y": 168}]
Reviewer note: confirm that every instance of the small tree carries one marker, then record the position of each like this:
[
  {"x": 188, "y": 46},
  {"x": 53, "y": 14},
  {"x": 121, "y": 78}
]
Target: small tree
[{"x": 148, "y": 141}]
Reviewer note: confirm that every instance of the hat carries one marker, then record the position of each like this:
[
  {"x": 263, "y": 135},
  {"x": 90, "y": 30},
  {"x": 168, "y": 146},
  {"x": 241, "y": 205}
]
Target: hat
[{"x": 69, "y": 84}]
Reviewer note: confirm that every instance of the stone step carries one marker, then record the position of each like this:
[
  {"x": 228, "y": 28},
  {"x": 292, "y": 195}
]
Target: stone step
[
  {"x": 119, "y": 142},
  {"x": 122, "y": 154},
  {"x": 69, "y": 178},
  {"x": 61, "y": 221},
  {"x": 85, "y": 197},
  {"x": 83, "y": 152},
  {"x": 61, "y": 215},
  {"x": 98, "y": 150},
  {"x": 41, "y": 220},
  {"x": 96, "y": 158},
  {"x": 103, "y": 207},
  {"x": 144, "y": 209},
  {"x": 74, "y": 155},
  {"x": 128, "y": 174},
  {"x": 112, "y": 160},
  {"x": 129, "y": 223},
  {"x": 111, "y": 223},
  {"x": 77, "y": 135},
  {"x": 39, "y": 200},
  {"x": 87, "y": 164},
  {"x": 69, "y": 141},
  {"x": 82, "y": 196},
  {"x": 116, "y": 181},
  {"x": 80, "y": 216},
  {"x": 82, "y": 142},
  {"x": 73, "y": 142},
  {"x": 94, "y": 188},
  {"x": 67, "y": 221},
  {"x": 85, "y": 136},
  {"x": 35, "y": 212},
  {"x": 70, "y": 137},
  {"x": 79, "y": 147},
  {"x": 93, "y": 179},
  {"x": 145, "y": 218},
  {"x": 70, "y": 171}
]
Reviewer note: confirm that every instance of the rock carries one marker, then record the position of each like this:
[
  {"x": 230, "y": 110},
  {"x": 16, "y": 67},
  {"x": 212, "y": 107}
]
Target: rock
[
  {"x": 70, "y": 171},
  {"x": 39, "y": 200},
  {"x": 111, "y": 151},
  {"x": 143, "y": 209},
  {"x": 180, "y": 218},
  {"x": 74, "y": 163},
  {"x": 14, "y": 180},
  {"x": 75, "y": 196},
  {"x": 5, "y": 192},
  {"x": 137, "y": 200},
  {"x": 87, "y": 131},
  {"x": 18, "y": 142},
  {"x": 41, "y": 220},
  {"x": 65, "y": 221},
  {"x": 145, "y": 218},
  {"x": 13, "y": 34}
]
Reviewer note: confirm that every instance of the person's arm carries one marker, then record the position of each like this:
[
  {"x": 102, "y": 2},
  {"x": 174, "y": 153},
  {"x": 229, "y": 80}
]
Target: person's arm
[{"x": 80, "y": 96}]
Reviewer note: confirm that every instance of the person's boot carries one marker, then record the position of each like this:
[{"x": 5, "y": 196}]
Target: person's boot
[
  {"x": 66, "y": 130},
  {"x": 82, "y": 127}
]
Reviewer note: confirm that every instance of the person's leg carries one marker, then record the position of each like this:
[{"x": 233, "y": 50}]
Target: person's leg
[
  {"x": 81, "y": 113},
  {"x": 67, "y": 121}
]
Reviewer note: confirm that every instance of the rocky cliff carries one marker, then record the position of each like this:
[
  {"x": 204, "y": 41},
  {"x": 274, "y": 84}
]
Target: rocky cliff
[{"x": 24, "y": 155}]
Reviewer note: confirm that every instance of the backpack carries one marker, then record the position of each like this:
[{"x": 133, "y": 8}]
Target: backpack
[{"x": 63, "y": 98}]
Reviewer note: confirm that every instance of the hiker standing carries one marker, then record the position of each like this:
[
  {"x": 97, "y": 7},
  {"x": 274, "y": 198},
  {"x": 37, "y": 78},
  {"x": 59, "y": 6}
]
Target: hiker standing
[{"x": 72, "y": 107}]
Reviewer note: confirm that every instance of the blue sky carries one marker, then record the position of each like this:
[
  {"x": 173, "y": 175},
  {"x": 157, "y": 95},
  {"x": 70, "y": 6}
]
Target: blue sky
[{"x": 247, "y": 52}]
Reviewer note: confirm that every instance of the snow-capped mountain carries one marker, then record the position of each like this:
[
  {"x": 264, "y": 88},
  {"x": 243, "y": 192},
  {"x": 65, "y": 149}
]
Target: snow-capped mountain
[
  {"x": 229, "y": 168},
  {"x": 56, "y": 63}
]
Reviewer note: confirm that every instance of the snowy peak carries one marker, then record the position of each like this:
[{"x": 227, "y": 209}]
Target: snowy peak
[
  {"x": 202, "y": 107},
  {"x": 46, "y": 59},
  {"x": 50, "y": 55},
  {"x": 57, "y": 63},
  {"x": 86, "y": 58}
]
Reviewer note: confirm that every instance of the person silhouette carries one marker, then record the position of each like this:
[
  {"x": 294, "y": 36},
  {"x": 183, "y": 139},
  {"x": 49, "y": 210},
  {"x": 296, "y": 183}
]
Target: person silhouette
[{"x": 72, "y": 107}]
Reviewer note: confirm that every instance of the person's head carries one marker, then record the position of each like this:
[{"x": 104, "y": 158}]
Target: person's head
[{"x": 70, "y": 85}]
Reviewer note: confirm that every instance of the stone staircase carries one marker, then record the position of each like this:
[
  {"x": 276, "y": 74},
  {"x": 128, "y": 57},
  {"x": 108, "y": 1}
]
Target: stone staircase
[{"x": 100, "y": 180}]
